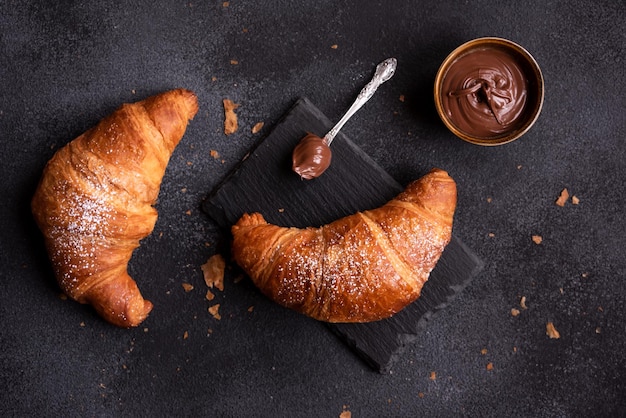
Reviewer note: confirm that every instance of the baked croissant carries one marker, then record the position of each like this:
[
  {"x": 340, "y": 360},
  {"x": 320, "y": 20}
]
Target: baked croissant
[
  {"x": 94, "y": 201},
  {"x": 360, "y": 268}
]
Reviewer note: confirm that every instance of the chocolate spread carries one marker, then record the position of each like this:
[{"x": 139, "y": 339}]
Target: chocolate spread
[
  {"x": 484, "y": 92},
  {"x": 311, "y": 157}
]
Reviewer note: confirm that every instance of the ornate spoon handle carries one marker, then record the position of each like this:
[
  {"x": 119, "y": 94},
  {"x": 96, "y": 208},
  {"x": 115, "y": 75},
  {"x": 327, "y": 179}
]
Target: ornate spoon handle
[{"x": 384, "y": 71}]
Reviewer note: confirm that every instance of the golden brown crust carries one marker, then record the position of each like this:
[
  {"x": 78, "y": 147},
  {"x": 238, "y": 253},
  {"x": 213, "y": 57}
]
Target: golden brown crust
[
  {"x": 94, "y": 201},
  {"x": 360, "y": 268}
]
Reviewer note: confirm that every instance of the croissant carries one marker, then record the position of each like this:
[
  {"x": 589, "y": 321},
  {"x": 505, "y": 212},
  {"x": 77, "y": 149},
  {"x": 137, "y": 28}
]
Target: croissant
[
  {"x": 94, "y": 201},
  {"x": 360, "y": 268}
]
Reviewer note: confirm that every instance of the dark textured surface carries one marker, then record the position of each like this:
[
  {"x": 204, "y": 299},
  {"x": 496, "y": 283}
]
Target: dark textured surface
[
  {"x": 66, "y": 64},
  {"x": 264, "y": 182}
]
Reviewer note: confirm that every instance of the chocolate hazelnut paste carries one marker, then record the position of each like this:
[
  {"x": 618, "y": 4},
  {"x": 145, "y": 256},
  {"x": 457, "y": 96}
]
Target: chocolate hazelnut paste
[
  {"x": 311, "y": 157},
  {"x": 484, "y": 92}
]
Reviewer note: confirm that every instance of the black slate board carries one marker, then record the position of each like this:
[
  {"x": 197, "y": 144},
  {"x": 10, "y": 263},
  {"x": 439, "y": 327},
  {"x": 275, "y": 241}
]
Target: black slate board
[{"x": 263, "y": 182}]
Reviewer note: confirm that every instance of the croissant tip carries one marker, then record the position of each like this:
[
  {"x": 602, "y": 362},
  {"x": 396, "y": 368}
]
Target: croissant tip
[
  {"x": 251, "y": 219},
  {"x": 130, "y": 316},
  {"x": 137, "y": 318},
  {"x": 191, "y": 99}
]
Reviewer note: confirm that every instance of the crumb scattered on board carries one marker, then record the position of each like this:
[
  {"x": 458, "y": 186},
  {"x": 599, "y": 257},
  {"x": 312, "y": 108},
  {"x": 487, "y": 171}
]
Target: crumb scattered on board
[
  {"x": 551, "y": 331},
  {"x": 230, "y": 117},
  {"x": 257, "y": 127},
  {"x": 187, "y": 287},
  {"x": 490, "y": 366},
  {"x": 522, "y": 302},
  {"x": 537, "y": 239}
]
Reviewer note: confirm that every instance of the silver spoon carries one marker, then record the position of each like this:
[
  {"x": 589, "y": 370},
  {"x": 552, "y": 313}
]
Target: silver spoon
[{"x": 312, "y": 156}]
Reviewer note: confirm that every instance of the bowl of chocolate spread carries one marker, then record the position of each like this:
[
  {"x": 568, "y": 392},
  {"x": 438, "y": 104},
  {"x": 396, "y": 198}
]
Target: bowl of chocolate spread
[{"x": 489, "y": 91}]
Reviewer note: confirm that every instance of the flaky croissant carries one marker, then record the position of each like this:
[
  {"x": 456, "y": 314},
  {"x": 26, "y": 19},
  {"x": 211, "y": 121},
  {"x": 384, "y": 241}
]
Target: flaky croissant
[
  {"x": 360, "y": 268},
  {"x": 94, "y": 201}
]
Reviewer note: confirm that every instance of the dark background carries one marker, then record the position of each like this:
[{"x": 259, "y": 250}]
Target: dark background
[{"x": 66, "y": 64}]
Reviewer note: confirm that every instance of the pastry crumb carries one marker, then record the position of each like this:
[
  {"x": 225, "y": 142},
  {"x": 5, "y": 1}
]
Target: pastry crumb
[
  {"x": 185, "y": 335},
  {"x": 251, "y": 308},
  {"x": 551, "y": 331},
  {"x": 234, "y": 62},
  {"x": 537, "y": 239},
  {"x": 334, "y": 46},
  {"x": 402, "y": 98},
  {"x": 188, "y": 287},
  {"x": 213, "y": 271},
  {"x": 562, "y": 198},
  {"x": 575, "y": 200},
  {"x": 522, "y": 302},
  {"x": 209, "y": 295},
  {"x": 257, "y": 127},
  {"x": 230, "y": 117},
  {"x": 483, "y": 351},
  {"x": 489, "y": 366},
  {"x": 214, "y": 310},
  {"x": 214, "y": 154},
  {"x": 433, "y": 375},
  {"x": 345, "y": 414},
  {"x": 515, "y": 312}
]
